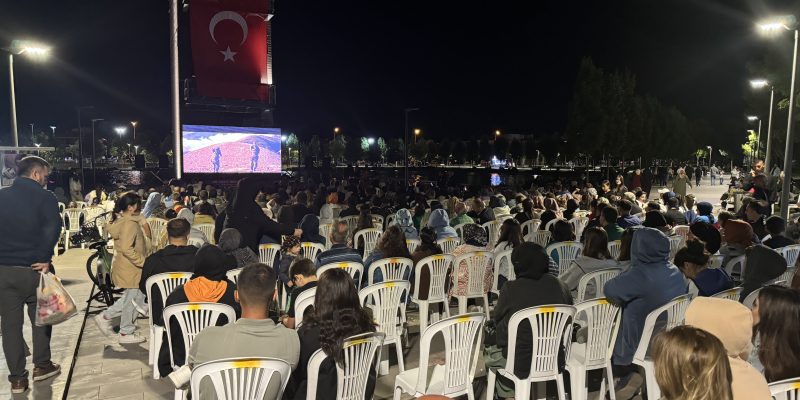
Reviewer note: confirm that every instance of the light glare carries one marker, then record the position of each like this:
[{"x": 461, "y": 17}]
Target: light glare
[{"x": 758, "y": 83}]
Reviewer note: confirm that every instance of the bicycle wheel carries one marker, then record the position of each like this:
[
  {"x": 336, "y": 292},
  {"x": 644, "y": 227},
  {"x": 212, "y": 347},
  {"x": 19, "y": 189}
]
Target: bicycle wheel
[{"x": 92, "y": 269}]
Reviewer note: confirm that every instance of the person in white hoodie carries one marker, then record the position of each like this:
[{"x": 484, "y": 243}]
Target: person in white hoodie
[
  {"x": 196, "y": 237},
  {"x": 595, "y": 256}
]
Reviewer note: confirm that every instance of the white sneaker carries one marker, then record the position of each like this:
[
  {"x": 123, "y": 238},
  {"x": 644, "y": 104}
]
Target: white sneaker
[
  {"x": 104, "y": 325},
  {"x": 131, "y": 339},
  {"x": 142, "y": 308}
]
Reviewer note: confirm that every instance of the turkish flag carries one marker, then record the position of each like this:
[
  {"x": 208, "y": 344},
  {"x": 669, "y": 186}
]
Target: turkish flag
[{"x": 229, "y": 48}]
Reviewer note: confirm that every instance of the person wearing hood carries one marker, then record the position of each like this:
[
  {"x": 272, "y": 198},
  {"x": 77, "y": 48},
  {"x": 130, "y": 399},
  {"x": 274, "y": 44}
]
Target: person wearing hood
[
  {"x": 692, "y": 260},
  {"x": 209, "y": 284},
  {"x": 404, "y": 220},
  {"x": 649, "y": 283},
  {"x": 737, "y": 236},
  {"x": 732, "y": 324},
  {"x": 310, "y": 227},
  {"x": 440, "y": 224},
  {"x": 196, "y": 237},
  {"x": 704, "y": 212},
  {"x": 708, "y": 234},
  {"x": 244, "y": 215},
  {"x": 762, "y": 266},
  {"x": 230, "y": 241},
  {"x": 154, "y": 208},
  {"x": 498, "y": 205},
  {"x": 533, "y": 287}
]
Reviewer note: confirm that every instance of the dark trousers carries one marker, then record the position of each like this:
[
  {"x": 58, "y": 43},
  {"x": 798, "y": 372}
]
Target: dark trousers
[{"x": 18, "y": 287}]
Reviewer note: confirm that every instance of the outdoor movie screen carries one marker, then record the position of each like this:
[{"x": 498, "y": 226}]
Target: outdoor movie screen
[{"x": 231, "y": 149}]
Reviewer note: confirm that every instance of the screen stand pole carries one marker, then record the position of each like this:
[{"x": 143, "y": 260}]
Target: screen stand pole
[{"x": 177, "y": 152}]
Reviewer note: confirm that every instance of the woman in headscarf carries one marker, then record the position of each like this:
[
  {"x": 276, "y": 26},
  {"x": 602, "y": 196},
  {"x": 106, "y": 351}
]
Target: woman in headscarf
[
  {"x": 475, "y": 239},
  {"x": 704, "y": 210},
  {"x": 680, "y": 182},
  {"x": 247, "y": 217},
  {"x": 154, "y": 208},
  {"x": 440, "y": 224},
  {"x": 196, "y": 237},
  {"x": 310, "y": 227},
  {"x": 230, "y": 241},
  {"x": 533, "y": 287},
  {"x": 404, "y": 220},
  {"x": 737, "y": 237}
]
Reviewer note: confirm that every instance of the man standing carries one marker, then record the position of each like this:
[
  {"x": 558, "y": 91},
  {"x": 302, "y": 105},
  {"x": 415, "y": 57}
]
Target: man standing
[
  {"x": 217, "y": 154},
  {"x": 714, "y": 174},
  {"x": 29, "y": 227},
  {"x": 254, "y": 160}
]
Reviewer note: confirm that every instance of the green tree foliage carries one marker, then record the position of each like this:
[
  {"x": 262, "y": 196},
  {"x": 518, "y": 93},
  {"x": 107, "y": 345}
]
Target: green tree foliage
[
  {"x": 418, "y": 150},
  {"x": 336, "y": 148},
  {"x": 354, "y": 150},
  {"x": 383, "y": 148},
  {"x": 314, "y": 147}
]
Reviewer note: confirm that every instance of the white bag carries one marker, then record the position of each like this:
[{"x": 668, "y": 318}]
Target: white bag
[{"x": 54, "y": 304}]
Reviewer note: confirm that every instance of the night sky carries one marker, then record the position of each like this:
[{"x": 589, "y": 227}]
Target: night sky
[{"x": 471, "y": 67}]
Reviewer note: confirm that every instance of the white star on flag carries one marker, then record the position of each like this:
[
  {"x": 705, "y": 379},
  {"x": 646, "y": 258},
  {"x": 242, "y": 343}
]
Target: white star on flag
[{"x": 228, "y": 54}]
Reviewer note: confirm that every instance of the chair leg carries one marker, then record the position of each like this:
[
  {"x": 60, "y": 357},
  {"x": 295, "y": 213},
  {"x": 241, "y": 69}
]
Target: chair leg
[
  {"x": 446, "y": 307},
  {"x": 653, "y": 392},
  {"x": 610, "y": 380},
  {"x": 577, "y": 384},
  {"x": 400, "y": 364},
  {"x": 423, "y": 316},
  {"x": 560, "y": 387},
  {"x": 398, "y": 393},
  {"x": 462, "y": 305},
  {"x": 486, "y": 306},
  {"x": 490, "y": 382}
]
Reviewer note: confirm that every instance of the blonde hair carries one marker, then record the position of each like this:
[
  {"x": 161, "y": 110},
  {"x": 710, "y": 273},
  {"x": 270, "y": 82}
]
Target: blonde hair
[{"x": 691, "y": 364}]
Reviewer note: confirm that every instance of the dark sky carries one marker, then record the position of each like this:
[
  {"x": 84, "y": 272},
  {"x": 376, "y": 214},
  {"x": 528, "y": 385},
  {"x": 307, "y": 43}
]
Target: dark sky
[{"x": 471, "y": 67}]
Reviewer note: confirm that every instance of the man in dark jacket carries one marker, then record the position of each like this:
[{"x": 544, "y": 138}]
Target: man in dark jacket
[
  {"x": 178, "y": 256},
  {"x": 29, "y": 229},
  {"x": 674, "y": 216},
  {"x": 244, "y": 215},
  {"x": 300, "y": 208}
]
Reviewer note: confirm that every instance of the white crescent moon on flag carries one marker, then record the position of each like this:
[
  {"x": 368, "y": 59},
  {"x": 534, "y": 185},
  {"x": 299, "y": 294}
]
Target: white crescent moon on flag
[{"x": 233, "y": 16}]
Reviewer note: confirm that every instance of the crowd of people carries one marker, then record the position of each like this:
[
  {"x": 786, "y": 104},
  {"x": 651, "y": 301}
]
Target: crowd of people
[{"x": 709, "y": 357}]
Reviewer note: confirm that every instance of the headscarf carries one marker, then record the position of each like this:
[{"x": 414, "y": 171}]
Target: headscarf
[
  {"x": 153, "y": 201},
  {"x": 649, "y": 249},
  {"x": 288, "y": 243},
  {"x": 762, "y": 266},
  {"x": 530, "y": 261},
  {"x": 209, "y": 283},
  {"x": 495, "y": 201},
  {"x": 405, "y": 222},
  {"x": 229, "y": 240},
  {"x": 708, "y": 234},
  {"x": 186, "y": 214},
  {"x": 440, "y": 223},
  {"x": 704, "y": 209},
  {"x": 475, "y": 235},
  {"x": 738, "y": 232},
  {"x": 654, "y": 219}
]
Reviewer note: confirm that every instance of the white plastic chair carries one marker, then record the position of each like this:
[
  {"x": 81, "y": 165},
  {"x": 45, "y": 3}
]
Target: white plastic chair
[
  {"x": 233, "y": 275},
  {"x": 530, "y": 226},
  {"x": 578, "y": 225},
  {"x": 476, "y": 263},
  {"x": 738, "y": 265},
  {"x": 750, "y": 299},
  {"x": 790, "y": 253},
  {"x": 361, "y": 354},
  {"x": 301, "y": 303},
  {"x": 93, "y": 214},
  {"x": 565, "y": 254},
  {"x": 356, "y": 270},
  {"x": 502, "y": 262},
  {"x": 787, "y": 389},
  {"x": 675, "y": 310},
  {"x": 551, "y": 328},
  {"x": 239, "y": 378},
  {"x": 730, "y": 294},
  {"x": 390, "y": 220},
  {"x": 165, "y": 283},
  {"x": 352, "y": 223},
  {"x": 267, "y": 253},
  {"x": 158, "y": 231},
  {"x": 460, "y": 229},
  {"x": 325, "y": 231},
  {"x": 549, "y": 225},
  {"x": 392, "y": 269},
  {"x": 492, "y": 228},
  {"x": 462, "y": 336},
  {"x": 715, "y": 261},
  {"x": 683, "y": 232},
  {"x": 311, "y": 250},
  {"x": 61, "y": 207},
  {"x": 614, "y": 247},
  {"x": 388, "y": 311},
  {"x": 437, "y": 266},
  {"x": 786, "y": 278},
  {"x": 377, "y": 220},
  {"x": 448, "y": 244},
  {"x": 539, "y": 237},
  {"x": 369, "y": 237},
  {"x": 602, "y": 320},
  {"x": 73, "y": 219},
  {"x": 412, "y": 244},
  {"x": 599, "y": 278},
  {"x": 675, "y": 244},
  {"x": 208, "y": 230}
]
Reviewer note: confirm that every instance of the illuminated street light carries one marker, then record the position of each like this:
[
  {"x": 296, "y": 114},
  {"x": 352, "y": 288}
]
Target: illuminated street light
[
  {"x": 120, "y": 130},
  {"x": 497, "y": 132},
  {"x": 760, "y": 84},
  {"x": 371, "y": 141},
  {"x": 752, "y": 118},
  {"x": 417, "y": 132},
  {"x": 783, "y": 22},
  {"x": 283, "y": 138},
  {"x": 31, "y": 50}
]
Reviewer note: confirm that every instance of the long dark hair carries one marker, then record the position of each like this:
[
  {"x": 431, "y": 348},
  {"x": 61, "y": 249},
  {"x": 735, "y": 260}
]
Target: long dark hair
[
  {"x": 562, "y": 231},
  {"x": 125, "y": 201},
  {"x": 393, "y": 243},
  {"x": 510, "y": 232},
  {"x": 595, "y": 243},
  {"x": 338, "y": 312},
  {"x": 427, "y": 238},
  {"x": 779, "y": 322}
]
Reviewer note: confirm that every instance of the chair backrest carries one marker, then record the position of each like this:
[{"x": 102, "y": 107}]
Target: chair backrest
[
  {"x": 549, "y": 225},
  {"x": 301, "y": 303},
  {"x": 352, "y": 223},
  {"x": 377, "y": 220},
  {"x": 476, "y": 262},
  {"x": 530, "y": 226},
  {"x": 602, "y": 320},
  {"x": 463, "y": 339},
  {"x": 492, "y": 228},
  {"x": 786, "y": 278},
  {"x": 390, "y": 220},
  {"x": 208, "y": 230},
  {"x": 239, "y": 378},
  {"x": 675, "y": 310},
  {"x": 578, "y": 225},
  {"x": 683, "y": 232},
  {"x": 61, "y": 207},
  {"x": 80, "y": 204},
  {"x": 614, "y": 247},
  {"x": 539, "y": 237},
  {"x": 736, "y": 264},
  {"x": 750, "y": 299},
  {"x": 325, "y": 231},
  {"x": 448, "y": 244},
  {"x": 311, "y": 250},
  {"x": 165, "y": 283},
  {"x": 674, "y": 245},
  {"x": 460, "y": 229},
  {"x": 395, "y": 268},
  {"x": 369, "y": 237},
  {"x": 412, "y": 244},
  {"x": 551, "y": 328},
  {"x": 193, "y": 318},
  {"x": 385, "y": 301},
  {"x": 787, "y": 389},
  {"x": 267, "y": 253},
  {"x": 502, "y": 260},
  {"x": 72, "y": 219},
  {"x": 790, "y": 253},
  {"x": 564, "y": 253},
  {"x": 599, "y": 278},
  {"x": 715, "y": 261},
  {"x": 356, "y": 270},
  {"x": 438, "y": 266},
  {"x": 730, "y": 294},
  {"x": 158, "y": 230},
  {"x": 233, "y": 275},
  {"x": 361, "y": 354}
]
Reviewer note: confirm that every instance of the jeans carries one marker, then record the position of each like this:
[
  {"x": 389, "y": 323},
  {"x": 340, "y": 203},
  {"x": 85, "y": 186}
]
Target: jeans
[
  {"x": 18, "y": 287},
  {"x": 125, "y": 309},
  {"x": 713, "y": 178}
]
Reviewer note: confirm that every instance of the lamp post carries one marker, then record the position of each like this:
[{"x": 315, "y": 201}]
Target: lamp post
[
  {"x": 405, "y": 142},
  {"x": 94, "y": 172},
  {"x": 709, "y": 155},
  {"x": 20, "y": 47},
  {"x": 335, "y": 131},
  {"x": 80, "y": 142},
  {"x": 758, "y": 84},
  {"x": 776, "y": 25},
  {"x": 134, "y": 123},
  {"x": 417, "y": 132}
]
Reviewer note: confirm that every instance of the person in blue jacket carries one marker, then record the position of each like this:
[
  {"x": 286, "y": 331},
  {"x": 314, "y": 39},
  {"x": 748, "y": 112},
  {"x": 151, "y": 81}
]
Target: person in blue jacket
[
  {"x": 649, "y": 283},
  {"x": 440, "y": 223},
  {"x": 692, "y": 260}
]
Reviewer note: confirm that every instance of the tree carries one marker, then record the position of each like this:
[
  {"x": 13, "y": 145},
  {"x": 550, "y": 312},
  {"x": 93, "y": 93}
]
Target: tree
[
  {"x": 516, "y": 149},
  {"x": 314, "y": 147},
  {"x": 353, "y": 150},
  {"x": 336, "y": 147},
  {"x": 383, "y": 148},
  {"x": 459, "y": 152},
  {"x": 531, "y": 151},
  {"x": 395, "y": 151},
  {"x": 486, "y": 150},
  {"x": 418, "y": 150}
]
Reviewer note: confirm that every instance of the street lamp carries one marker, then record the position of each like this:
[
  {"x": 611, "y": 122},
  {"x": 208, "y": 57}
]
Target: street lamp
[
  {"x": 709, "y": 155},
  {"x": 371, "y": 141},
  {"x": 32, "y": 50},
  {"x": 136, "y": 149},
  {"x": 753, "y": 118},
  {"x": 120, "y": 130},
  {"x": 134, "y": 123},
  {"x": 405, "y": 142},
  {"x": 335, "y": 131},
  {"x": 496, "y": 133},
  {"x": 760, "y": 84},
  {"x": 417, "y": 132},
  {"x": 786, "y": 22}
]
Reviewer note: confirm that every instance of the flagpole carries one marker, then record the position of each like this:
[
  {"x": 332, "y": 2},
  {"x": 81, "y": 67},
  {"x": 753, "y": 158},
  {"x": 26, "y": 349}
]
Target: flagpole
[{"x": 177, "y": 155}]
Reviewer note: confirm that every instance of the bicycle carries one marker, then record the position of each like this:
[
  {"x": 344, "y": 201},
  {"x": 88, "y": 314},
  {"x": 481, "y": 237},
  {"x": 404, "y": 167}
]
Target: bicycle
[{"x": 98, "y": 266}]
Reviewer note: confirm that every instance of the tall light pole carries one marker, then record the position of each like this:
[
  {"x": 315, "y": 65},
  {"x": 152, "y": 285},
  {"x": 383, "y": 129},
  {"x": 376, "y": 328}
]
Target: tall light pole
[
  {"x": 121, "y": 131},
  {"x": 94, "y": 172},
  {"x": 405, "y": 141},
  {"x": 753, "y": 118},
  {"x": 417, "y": 132},
  {"x": 33, "y": 140},
  {"x": 335, "y": 132},
  {"x": 20, "y": 47},
  {"x": 134, "y": 123},
  {"x": 80, "y": 142},
  {"x": 758, "y": 84},
  {"x": 787, "y": 22}
]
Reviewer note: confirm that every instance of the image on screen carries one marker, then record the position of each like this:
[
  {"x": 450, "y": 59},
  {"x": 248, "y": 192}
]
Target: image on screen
[{"x": 231, "y": 149}]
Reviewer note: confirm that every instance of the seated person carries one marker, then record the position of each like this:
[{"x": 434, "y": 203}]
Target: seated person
[
  {"x": 692, "y": 260},
  {"x": 674, "y": 216},
  {"x": 626, "y": 220},
  {"x": 339, "y": 251},
  {"x": 608, "y": 221},
  {"x": 304, "y": 276},
  {"x": 390, "y": 245},
  {"x": 708, "y": 234},
  {"x": 776, "y": 227},
  {"x": 254, "y": 335},
  {"x": 756, "y": 213},
  {"x": 594, "y": 257},
  {"x": 310, "y": 226},
  {"x": 209, "y": 284}
]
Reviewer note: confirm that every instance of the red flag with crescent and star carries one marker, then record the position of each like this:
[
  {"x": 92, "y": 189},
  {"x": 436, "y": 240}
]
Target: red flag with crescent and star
[{"x": 229, "y": 48}]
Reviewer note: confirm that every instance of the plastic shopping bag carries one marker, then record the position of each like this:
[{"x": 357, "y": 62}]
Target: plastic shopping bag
[{"x": 54, "y": 305}]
